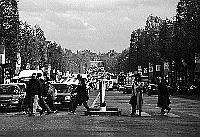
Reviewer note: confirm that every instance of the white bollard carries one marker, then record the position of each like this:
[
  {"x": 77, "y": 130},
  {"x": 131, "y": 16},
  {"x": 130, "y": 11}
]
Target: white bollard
[{"x": 102, "y": 96}]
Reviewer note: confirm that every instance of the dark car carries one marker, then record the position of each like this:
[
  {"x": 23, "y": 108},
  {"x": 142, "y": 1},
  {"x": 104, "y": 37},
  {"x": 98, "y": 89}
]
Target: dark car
[
  {"x": 11, "y": 96},
  {"x": 152, "y": 89},
  {"x": 63, "y": 97},
  {"x": 115, "y": 86},
  {"x": 127, "y": 89}
]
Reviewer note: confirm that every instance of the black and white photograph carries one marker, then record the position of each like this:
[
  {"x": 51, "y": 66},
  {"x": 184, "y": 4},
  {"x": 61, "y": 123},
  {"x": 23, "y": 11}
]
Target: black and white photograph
[{"x": 99, "y": 68}]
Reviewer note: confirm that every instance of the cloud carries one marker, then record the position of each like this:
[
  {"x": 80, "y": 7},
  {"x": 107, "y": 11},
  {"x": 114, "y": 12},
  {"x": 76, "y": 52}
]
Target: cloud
[{"x": 94, "y": 24}]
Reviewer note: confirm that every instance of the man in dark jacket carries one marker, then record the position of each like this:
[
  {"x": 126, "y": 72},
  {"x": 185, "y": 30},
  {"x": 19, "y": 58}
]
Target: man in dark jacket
[
  {"x": 43, "y": 95},
  {"x": 32, "y": 93},
  {"x": 82, "y": 95}
]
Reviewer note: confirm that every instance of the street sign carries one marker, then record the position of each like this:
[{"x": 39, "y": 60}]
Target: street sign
[
  {"x": 158, "y": 67},
  {"x": 150, "y": 67}
]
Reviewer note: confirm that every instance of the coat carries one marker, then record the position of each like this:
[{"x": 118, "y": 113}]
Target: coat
[
  {"x": 133, "y": 100},
  {"x": 163, "y": 96},
  {"x": 34, "y": 87},
  {"x": 137, "y": 97},
  {"x": 82, "y": 94}
]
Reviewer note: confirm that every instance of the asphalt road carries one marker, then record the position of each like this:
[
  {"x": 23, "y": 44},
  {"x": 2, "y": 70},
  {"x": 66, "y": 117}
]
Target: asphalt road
[{"x": 182, "y": 121}]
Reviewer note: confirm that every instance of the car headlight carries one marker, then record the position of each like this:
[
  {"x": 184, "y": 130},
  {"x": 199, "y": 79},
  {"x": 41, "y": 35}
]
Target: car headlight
[
  {"x": 67, "y": 97},
  {"x": 14, "y": 100}
]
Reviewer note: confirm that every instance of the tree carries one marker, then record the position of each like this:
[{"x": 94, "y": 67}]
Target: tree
[
  {"x": 187, "y": 32},
  {"x": 9, "y": 20},
  {"x": 32, "y": 45}
]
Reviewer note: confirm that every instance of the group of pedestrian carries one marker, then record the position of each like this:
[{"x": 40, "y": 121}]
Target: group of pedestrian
[
  {"x": 136, "y": 99},
  {"x": 40, "y": 96}
]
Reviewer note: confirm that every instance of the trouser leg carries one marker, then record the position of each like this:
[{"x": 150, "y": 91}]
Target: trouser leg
[
  {"x": 133, "y": 108},
  {"x": 50, "y": 103},
  {"x": 35, "y": 103},
  {"x": 86, "y": 105},
  {"x": 163, "y": 110},
  {"x": 74, "y": 106},
  {"x": 44, "y": 105}
]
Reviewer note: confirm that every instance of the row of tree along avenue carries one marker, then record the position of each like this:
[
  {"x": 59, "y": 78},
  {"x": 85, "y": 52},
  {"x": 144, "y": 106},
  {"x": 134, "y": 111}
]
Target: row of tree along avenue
[
  {"x": 170, "y": 47},
  {"x": 23, "y": 46},
  {"x": 166, "y": 48}
]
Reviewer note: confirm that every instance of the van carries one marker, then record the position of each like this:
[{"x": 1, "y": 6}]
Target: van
[{"x": 25, "y": 75}]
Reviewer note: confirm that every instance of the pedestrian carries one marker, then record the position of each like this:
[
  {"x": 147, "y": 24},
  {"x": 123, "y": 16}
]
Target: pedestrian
[
  {"x": 139, "y": 94},
  {"x": 32, "y": 93},
  {"x": 163, "y": 97},
  {"x": 82, "y": 95},
  {"x": 51, "y": 96},
  {"x": 42, "y": 94},
  {"x": 133, "y": 99}
]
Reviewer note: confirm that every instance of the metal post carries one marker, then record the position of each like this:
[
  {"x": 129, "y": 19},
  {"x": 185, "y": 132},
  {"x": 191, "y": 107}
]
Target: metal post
[{"x": 102, "y": 97}]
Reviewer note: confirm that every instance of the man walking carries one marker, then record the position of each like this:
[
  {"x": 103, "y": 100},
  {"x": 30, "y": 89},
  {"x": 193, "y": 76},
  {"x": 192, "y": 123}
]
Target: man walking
[
  {"x": 43, "y": 95},
  {"x": 32, "y": 96},
  {"x": 82, "y": 95}
]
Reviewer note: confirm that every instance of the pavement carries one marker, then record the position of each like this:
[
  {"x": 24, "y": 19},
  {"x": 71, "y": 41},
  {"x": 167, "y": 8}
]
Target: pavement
[{"x": 182, "y": 121}]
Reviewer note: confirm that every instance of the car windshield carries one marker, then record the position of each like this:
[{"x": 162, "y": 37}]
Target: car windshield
[
  {"x": 153, "y": 86},
  {"x": 61, "y": 88},
  {"x": 8, "y": 89}
]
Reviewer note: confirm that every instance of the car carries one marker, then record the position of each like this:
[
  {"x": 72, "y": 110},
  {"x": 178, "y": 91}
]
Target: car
[
  {"x": 127, "y": 89},
  {"x": 152, "y": 89},
  {"x": 115, "y": 86},
  {"x": 70, "y": 81},
  {"x": 11, "y": 96},
  {"x": 63, "y": 98},
  {"x": 121, "y": 88}
]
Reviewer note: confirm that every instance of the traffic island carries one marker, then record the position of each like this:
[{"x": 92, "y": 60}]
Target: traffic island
[
  {"x": 100, "y": 112},
  {"x": 103, "y": 110}
]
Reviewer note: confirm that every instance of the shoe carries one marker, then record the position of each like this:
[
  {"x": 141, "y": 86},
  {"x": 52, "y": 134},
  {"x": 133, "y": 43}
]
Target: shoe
[
  {"x": 41, "y": 112},
  {"x": 32, "y": 114},
  {"x": 168, "y": 110},
  {"x": 49, "y": 112},
  {"x": 133, "y": 114},
  {"x": 162, "y": 112},
  {"x": 71, "y": 113},
  {"x": 56, "y": 111},
  {"x": 88, "y": 109}
]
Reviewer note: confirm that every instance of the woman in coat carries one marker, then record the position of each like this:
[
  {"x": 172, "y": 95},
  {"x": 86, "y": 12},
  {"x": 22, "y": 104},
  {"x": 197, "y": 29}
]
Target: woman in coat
[
  {"x": 163, "y": 97},
  {"x": 133, "y": 99},
  {"x": 136, "y": 100}
]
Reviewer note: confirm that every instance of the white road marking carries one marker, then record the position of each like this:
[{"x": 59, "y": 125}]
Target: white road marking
[
  {"x": 171, "y": 115},
  {"x": 144, "y": 114}
]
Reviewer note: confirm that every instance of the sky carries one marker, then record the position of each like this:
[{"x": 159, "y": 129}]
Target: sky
[{"x": 96, "y": 25}]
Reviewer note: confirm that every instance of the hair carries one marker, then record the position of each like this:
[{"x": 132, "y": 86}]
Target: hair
[{"x": 79, "y": 76}]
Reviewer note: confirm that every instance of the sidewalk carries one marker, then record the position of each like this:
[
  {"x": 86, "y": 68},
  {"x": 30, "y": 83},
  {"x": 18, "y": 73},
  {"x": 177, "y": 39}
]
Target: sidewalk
[{"x": 192, "y": 97}]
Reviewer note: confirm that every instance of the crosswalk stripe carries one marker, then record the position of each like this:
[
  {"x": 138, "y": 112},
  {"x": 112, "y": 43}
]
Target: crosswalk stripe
[
  {"x": 171, "y": 115},
  {"x": 143, "y": 114},
  {"x": 195, "y": 115}
]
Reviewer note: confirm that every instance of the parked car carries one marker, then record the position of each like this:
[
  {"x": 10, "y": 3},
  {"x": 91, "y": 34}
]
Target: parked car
[
  {"x": 127, "y": 89},
  {"x": 152, "y": 89},
  {"x": 115, "y": 86},
  {"x": 63, "y": 99},
  {"x": 182, "y": 90},
  {"x": 11, "y": 96},
  {"x": 121, "y": 88}
]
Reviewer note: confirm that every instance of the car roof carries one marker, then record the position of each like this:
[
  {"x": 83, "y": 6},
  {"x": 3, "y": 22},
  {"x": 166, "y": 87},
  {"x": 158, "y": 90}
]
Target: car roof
[{"x": 10, "y": 85}]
